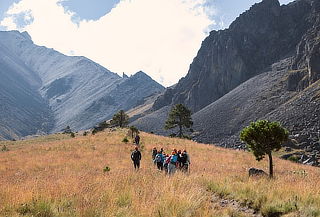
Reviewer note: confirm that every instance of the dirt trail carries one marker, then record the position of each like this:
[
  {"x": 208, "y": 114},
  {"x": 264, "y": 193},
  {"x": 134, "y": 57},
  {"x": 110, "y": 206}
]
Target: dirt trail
[{"x": 234, "y": 205}]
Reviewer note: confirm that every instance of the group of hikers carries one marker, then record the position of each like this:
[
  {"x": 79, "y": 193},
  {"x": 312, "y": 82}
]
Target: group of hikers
[
  {"x": 177, "y": 160},
  {"x": 170, "y": 163}
]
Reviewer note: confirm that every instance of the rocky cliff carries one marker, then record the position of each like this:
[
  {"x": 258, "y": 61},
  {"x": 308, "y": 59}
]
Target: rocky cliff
[
  {"x": 265, "y": 66},
  {"x": 259, "y": 37}
]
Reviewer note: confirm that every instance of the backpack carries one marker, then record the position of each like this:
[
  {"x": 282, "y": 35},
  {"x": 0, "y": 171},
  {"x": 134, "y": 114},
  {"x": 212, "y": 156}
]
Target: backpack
[
  {"x": 183, "y": 159},
  {"x": 158, "y": 158},
  {"x": 168, "y": 160},
  {"x": 174, "y": 159}
]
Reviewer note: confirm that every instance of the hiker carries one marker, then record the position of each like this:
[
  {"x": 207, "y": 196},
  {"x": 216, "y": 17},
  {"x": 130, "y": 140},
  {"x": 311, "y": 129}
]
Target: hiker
[
  {"x": 159, "y": 160},
  {"x": 154, "y": 153},
  {"x": 137, "y": 139},
  {"x": 136, "y": 158},
  {"x": 172, "y": 163},
  {"x": 161, "y": 150},
  {"x": 166, "y": 163},
  {"x": 179, "y": 163},
  {"x": 185, "y": 160}
]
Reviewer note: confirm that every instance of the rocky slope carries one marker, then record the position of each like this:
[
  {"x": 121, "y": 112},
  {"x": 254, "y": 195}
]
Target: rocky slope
[
  {"x": 22, "y": 109},
  {"x": 78, "y": 91},
  {"x": 265, "y": 66}
]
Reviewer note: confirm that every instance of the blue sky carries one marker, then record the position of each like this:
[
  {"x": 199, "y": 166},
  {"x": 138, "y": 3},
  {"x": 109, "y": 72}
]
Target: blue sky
[
  {"x": 159, "y": 37},
  {"x": 228, "y": 10}
]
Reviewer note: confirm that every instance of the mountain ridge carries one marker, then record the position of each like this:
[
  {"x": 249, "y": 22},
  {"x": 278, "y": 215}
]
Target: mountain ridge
[{"x": 79, "y": 92}]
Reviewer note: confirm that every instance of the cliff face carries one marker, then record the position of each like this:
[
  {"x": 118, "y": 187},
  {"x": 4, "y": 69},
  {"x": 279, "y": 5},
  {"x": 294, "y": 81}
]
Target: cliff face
[
  {"x": 305, "y": 69},
  {"x": 261, "y": 36},
  {"x": 265, "y": 66}
]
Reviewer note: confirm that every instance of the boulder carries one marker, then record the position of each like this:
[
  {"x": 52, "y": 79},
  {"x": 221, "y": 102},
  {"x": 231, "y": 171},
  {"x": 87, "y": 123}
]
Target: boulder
[{"x": 256, "y": 172}]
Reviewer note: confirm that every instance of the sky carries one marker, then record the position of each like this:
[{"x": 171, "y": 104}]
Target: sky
[{"x": 159, "y": 37}]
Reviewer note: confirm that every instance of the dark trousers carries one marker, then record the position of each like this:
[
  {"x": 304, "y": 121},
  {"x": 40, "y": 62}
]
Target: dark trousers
[
  {"x": 160, "y": 165},
  {"x": 136, "y": 164}
]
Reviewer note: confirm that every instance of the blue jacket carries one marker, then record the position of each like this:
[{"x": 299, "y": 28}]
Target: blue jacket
[
  {"x": 174, "y": 159},
  {"x": 161, "y": 157}
]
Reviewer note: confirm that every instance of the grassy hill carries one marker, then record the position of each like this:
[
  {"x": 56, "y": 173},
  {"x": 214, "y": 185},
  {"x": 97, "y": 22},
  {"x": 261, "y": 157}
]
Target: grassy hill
[{"x": 58, "y": 175}]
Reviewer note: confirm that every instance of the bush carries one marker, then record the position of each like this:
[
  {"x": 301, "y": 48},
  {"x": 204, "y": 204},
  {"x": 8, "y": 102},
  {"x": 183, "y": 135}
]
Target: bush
[
  {"x": 85, "y": 133},
  {"x": 187, "y": 137},
  {"x": 293, "y": 158},
  {"x": 94, "y": 131},
  {"x": 106, "y": 169},
  {"x": 72, "y": 135},
  {"x": 125, "y": 140},
  {"x": 4, "y": 148},
  {"x": 37, "y": 209},
  {"x": 172, "y": 135}
]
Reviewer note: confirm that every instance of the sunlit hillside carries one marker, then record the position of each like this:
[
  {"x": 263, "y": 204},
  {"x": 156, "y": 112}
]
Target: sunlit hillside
[{"x": 58, "y": 175}]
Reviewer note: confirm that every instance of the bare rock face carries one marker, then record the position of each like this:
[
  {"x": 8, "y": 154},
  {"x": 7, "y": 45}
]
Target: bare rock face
[
  {"x": 306, "y": 66},
  {"x": 265, "y": 66},
  {"x": 258, "y": 38}
]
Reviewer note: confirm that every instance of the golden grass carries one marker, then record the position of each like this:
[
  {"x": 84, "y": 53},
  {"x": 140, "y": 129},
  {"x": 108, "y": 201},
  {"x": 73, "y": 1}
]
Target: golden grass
[{"x": 62, "y": 176}]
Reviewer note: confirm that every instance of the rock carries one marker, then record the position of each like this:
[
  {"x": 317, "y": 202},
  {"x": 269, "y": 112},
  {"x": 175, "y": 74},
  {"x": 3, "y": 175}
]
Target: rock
[
  {"x": 288, "y": 149},
  {"x": 256, "y": 172}
]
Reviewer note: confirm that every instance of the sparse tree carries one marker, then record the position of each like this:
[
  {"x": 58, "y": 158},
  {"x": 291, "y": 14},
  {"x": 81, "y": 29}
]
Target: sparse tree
[
  {"x": 67, "y": 130},
  {"x": 133, "y": 131},
  {"x": 72, "y": 135},
  {"x": 262, "y": 138},
  {"x": 179, "y": 116},
  {"x": 120, "y": 119}
]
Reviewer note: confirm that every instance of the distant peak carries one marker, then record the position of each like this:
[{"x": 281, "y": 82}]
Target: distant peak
[
  {"x": 141, "y": 74},
  {"x": 124, "y": 75}
]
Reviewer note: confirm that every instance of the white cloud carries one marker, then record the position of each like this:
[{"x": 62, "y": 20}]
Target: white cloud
[{"x": 160, "y": 37}]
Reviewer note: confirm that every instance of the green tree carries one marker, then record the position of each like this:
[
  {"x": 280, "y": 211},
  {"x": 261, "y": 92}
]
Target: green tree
[
  {"x": 179, "y": 116},
  {"x": 262, "y": 138},
  {"x": 120, "y": 119},
  {"x": 133, "y": 131}
]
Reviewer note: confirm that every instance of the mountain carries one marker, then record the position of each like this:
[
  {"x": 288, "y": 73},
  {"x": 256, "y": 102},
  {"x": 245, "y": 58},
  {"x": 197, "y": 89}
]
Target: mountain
[
  {"x": 259, "y": 37},
  {"x": 265, "y": 66},
  {"x": 78, "y": 92},
  {"x": 22, "y": 109}
]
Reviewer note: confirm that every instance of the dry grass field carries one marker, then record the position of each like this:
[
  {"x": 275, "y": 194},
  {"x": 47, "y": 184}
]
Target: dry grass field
[{"x": 58, "y": 175}]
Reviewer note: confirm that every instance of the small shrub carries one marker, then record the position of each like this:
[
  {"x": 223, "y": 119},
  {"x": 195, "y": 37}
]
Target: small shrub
[
  {"x": 125, "y": 140},
  {"x": 186, "y": 137},
  {"x": 37, "y": 209},
  {"x": 94, "y": 131},
  {"x": 293, "y": 159},
  {"x": 72, "y": 135},
  {"x": 4, "y": 148},
  {"x": 106, "y": 169},
  {"x": 124, "y": 200},
  {"x": 85, "y": 133},
  {"x": 172, "y": 135}
]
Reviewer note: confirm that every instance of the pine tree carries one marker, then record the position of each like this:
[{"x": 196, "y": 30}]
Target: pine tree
[
  {"x": 179, "y": 116},
  {"x": 262, "y": 138},
  {"x": 120, "y": 119}
]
